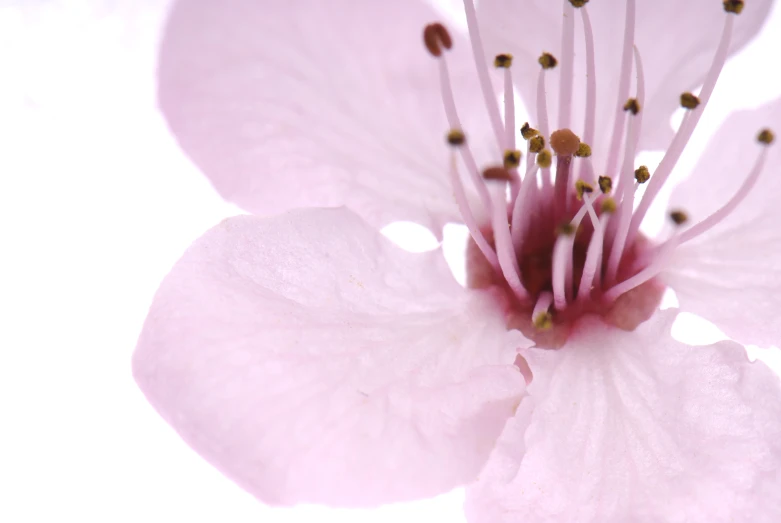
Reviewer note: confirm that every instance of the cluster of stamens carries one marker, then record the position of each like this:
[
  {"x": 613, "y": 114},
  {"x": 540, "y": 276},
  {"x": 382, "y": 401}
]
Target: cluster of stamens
[{"x": 562, "y": 240}]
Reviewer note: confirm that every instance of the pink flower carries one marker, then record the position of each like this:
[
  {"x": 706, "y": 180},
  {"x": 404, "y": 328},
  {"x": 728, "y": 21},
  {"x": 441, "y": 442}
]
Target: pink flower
[{"x": 311, "y": 360}]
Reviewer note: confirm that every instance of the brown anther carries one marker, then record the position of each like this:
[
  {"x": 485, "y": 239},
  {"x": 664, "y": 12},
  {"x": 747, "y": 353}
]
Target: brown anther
[
  {"x": 578, "y": 3},
  {"x": 503, "y": 61},
  {"x": 544, "y": 158},
  {"x": 497, "y": 173},
  {"x": 566, "y": 229},
  {"x": 689, "y": 101},
  {"x": 678, "y": 217},
  {"x": 642, "y": 174},
  {"x": 435, "y": 37},
  {"x": 582, "y": 188},
  {"x": 543, "y": 321},
  {"x": 766, "y": 136},
  {"x": 512, "y": 159},
  {"x": 564, "y": 142},
  {"x": 608, "y": 206},
  {"x": 632, "y": 105},
  {"x": 584, "y": 150},
  {"x": 456, "y": 137},
  {"x": 536, "y": 144},
  {"x": 605, "y": 184},
  {"x": 528, "y": 131},
  {"x": 733, "y": 6},
  {"x": 547, "y": 61}
]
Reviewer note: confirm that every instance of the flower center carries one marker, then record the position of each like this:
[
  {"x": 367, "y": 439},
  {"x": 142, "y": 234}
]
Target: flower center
[{"x": 561, "y": 241}]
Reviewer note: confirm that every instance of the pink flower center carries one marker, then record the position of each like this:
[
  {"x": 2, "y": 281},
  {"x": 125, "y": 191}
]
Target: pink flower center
[{"x": 561, "y": 241}]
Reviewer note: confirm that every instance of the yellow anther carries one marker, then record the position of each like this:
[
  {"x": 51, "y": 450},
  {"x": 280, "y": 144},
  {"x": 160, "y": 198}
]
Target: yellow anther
[
  {"x": 503, "y": 61},
  {"x": 632, "y": 105},
  {"x": 543, "y": 321},
  {"x": 584, "y": 150},
  {"x": 582, "y": 188},
  {"x": 547, "y": 61},
  {"x": 578, "y": 3},
  {"x": 766, "y": 136},
  {"x": 642, "y": 174},
  {"x": 528, "y": 132},
  {"x": 605, "y": 184},
  {"x": 608, "y": 206},
  {"x": 678, "y": 217},
  {"x": 456, "y": 137},
  {"x": 733, "y": 6},
  {"x": 512, "y": 159},
  {"x": 537, "y": 144},
  {"x": 689, "y": 101},
  {"x": 566, "y": 229},
  {"x": 544, "y": 158}
]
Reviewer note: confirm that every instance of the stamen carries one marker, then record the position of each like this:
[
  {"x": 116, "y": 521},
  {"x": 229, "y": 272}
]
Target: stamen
[
  {"x": 589, "y": 127},
  {"x": 512, "y": 159},
  {"x": 528, "y": 132},
  {"x": 508, "y": 261},
  {"x": 642, "y": 174},
  {"x": 504, "y": 61},
  {"x": 537, "y": 144},
  {"x": 632, "y": 105},
  {"x": 519, "y": 218},
  {"x": 435, "y": 37},
  {"x": 547, "y": 61},
  {"x": 623, "y": 85},
  {"x": 584, "y": 150},
  {"x": 544, "y": 159},
  {"x": 482, "y": 72},
  {"x": 689, "y": 101},
  {"x": 561, "y": 249},
  {"x": 594, "y": 252},
  {"x": 453, "y": 119},
  {"x": 567, "y": 65},
  {"x": 686, "y": 129},
  {"x": 543, "y": 319},
  {"x": 657, "y": 266},
  {"x": 733, "y": 6},
  {"x": 605, "y": 184},
  {"x": 582, "y": 188},
  {"x": 466, "y": 212},
  {"x": 679, "y": 217},
  {"x": 640, "y": 92},
  {"x": 765, "y": 138}
]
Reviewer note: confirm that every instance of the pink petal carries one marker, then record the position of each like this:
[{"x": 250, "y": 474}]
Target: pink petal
[
  {"x": 730, "y": 275},
  {"x": 304, "y": 103},
  {"x": 311, "y": 360},
  {"x": 637, "y": 427},
  {"x": 676, "y": 41}
]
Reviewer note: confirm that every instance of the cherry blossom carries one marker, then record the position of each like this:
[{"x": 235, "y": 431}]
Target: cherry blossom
[{"x": 311, "y": 360}]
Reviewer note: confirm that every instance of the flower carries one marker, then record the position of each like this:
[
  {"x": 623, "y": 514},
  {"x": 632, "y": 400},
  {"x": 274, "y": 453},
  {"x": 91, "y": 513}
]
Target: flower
[{"x": 311, "y": 360}]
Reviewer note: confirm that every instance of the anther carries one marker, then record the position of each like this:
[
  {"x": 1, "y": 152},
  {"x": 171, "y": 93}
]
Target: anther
[
  {"x": 733, "y": 6},
  {"x": 435, "y": 37},
  {"x": 578, "y": 3},
  {"x": 605, "y": 184},
  {"x": 632, "y": 105},
  {"x": 608, "y": 206},
  {"x": 512, "y": 159},
  {"x": 528, "y": 132},
  {"x": 544, "y": 158},
  {"x": 689, "y": 101},
  {"x": 503, "y": 61},
  {"x": 581, "y": 188},
  {"x": 564, "y": 142},
  {"x": 642, "y": 174},
  {"x": 543, "y": 321},
  {"x": 537, "y": 144},
  {"x": 766, "y": 136},
  {"x": 497, "y": 173},
  {"x": 547, "y": 61},
  {"x": 566, "y": 229},
  {"x": 584, "y": 150},
  {"x": 678, "y": 217},
  {"x": 456, "y": 137}
]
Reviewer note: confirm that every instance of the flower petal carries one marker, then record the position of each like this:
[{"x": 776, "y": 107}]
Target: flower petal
[
  {"x": 730, "y": 274},
  {"x": 635, "y": 426},
  {"x": 311, "y": 360},
  {"x": 672, "y": 65},
  {"x": 309, "y": 103}
]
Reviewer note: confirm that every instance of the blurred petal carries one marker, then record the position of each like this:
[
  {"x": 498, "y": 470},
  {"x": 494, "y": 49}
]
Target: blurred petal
[
  {"x": 309, "y": 103},
  {"x": 676, "y": 41},
  {"x": 311, "y": 360},
  {"x": 730, "y": 275},
  {"x": 635, "y": 426}
]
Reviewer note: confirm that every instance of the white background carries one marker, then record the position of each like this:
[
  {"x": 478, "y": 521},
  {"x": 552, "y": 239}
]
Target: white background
[{"x": 96, "y": 203}]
